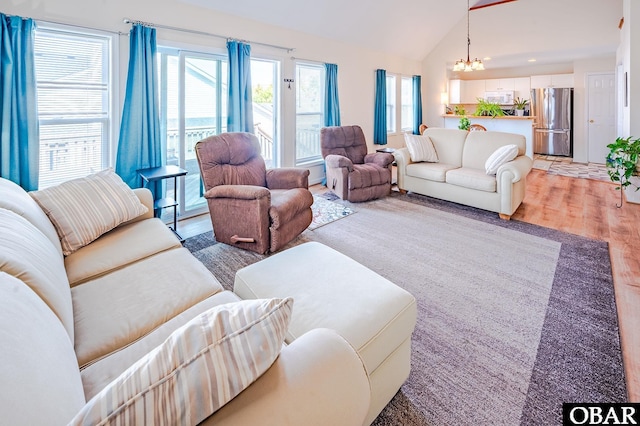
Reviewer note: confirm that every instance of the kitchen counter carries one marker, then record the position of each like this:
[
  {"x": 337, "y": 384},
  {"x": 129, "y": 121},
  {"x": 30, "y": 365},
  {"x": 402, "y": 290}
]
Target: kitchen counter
[
  {"x": 504, "y": 117},
  {"x": 508, "y": 123}
]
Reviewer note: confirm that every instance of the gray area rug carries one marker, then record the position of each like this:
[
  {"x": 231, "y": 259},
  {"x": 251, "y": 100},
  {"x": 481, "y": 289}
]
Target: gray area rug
[{"x": 513, "y": 319}]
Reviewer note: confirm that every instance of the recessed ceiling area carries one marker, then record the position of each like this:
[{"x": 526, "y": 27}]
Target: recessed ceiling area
[{"x": 511, "y": 33}]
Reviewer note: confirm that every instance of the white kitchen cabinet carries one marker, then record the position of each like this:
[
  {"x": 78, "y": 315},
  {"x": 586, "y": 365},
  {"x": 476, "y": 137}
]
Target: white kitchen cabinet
[
  {"x": 540, "y": 81},
  {"x": 455, "y": 91},
  {"x": 496, "y": 84},
  {"x": 562, "y": 80},
  {"x": 465, "y": 91},
  {"x": 471, "y": 91},
  {"x": 552, "y": 80},
  {"x": 522, "y": 87}
]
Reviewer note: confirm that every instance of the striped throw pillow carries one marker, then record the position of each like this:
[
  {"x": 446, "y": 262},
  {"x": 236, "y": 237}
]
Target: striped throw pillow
[
  {"x": 500, "y": 156},
  {"x": 198, "y": 369},
  {"x": 420, "y": 148},
  {"x": 83, "y": 209}
]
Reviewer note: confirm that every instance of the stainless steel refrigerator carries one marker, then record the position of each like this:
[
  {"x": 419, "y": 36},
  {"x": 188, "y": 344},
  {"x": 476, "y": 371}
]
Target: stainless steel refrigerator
[{"x": 553, "y": 122}]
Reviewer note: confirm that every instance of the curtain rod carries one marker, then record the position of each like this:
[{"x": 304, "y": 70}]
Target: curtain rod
[{"x": 184, "y": 30}]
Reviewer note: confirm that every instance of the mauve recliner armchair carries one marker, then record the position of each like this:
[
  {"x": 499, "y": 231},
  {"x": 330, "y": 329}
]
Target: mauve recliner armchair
[
  {"x": 353, "y": 174},
  {"x": 251, "y": 207}
]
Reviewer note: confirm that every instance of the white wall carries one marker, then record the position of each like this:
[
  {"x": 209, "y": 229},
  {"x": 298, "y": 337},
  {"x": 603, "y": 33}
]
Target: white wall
[
  {"x": 628, "y": 56},
  {"x": 356, "y": 66}
]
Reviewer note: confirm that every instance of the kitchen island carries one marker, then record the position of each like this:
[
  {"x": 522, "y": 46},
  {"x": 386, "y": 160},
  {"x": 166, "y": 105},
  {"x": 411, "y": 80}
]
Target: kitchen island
[{"x": 508, "y": 123}]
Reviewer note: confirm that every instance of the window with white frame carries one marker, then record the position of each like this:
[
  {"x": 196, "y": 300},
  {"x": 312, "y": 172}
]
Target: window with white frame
[
  {"x": 74, "y": 102},
  {"x": 391, "y": 103},
  {"x": 406, "y": 100},
  {"x": 193, "y": 106},
  {"x": 309, "y": 111}
]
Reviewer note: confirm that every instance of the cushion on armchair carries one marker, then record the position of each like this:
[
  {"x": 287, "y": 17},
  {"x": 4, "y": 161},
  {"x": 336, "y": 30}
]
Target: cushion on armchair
[
  {"x": 198, "y": 369},
  {"x": 287, "y": 178}
]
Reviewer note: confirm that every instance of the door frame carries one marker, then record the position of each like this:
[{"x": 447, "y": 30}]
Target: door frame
[{"x": 586, "y": 102}]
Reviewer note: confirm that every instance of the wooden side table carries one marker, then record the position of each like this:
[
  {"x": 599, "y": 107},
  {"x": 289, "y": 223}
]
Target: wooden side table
[{"x": 153, "y": 174}]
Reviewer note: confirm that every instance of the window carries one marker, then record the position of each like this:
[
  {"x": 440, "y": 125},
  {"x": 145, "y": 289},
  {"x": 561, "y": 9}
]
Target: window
[
  {"x": 264, "y": 97},
  {"x": 391, "y": 103},
  {"x": 406, "y": 94},
  {"x": 309, "y": 111},
  {"x": 74, "y": 93},
  {"x": 193, "y": 106}
]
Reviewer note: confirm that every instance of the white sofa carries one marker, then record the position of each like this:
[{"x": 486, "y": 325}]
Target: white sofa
[
  {"x": 72, "y": 325},
  {"x": 460, "y": 176}
]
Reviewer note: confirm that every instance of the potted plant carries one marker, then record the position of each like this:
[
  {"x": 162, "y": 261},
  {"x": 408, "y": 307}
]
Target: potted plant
[
  {"x": 622, "y": 162},
  {"x": 520, "y": 105},
  {"x": 485, "y": 108},
  {"x": 459, "y": 110},
  {"x": 464, "y": 124}
]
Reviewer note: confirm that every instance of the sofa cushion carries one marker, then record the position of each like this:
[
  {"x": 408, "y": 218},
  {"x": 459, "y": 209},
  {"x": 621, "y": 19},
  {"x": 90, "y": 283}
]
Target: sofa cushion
[
  {"x": 83, "y": 209},
  {"x": 100, "y": 373},
  {"x": 16, "y": 199},
  {"x": 119, "y": 247},
  {"x": 40, "y": 382},
  {"x": 115, "y": 309},
  {"x": 26, "y": 253},
  {"x": 430, "y": 171},
  {"x": 500, "y": 156},
  {"x": 198, "y": 369},
  {"x": 420, "y": 148},
  {"x": 448, "y": 143},
  {"x": 480, "y": 145},
  {"x": 472, "y": 178}
]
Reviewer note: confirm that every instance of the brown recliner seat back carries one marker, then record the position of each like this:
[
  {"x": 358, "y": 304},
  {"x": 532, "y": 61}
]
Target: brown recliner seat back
[
  {"x": 347, "y": 141},
  {"x": 231, "y": 159}
]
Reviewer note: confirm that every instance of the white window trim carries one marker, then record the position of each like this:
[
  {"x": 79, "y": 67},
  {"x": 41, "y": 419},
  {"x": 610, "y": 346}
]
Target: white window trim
[
  {"x": 315, "y": 160},
  {"x": 410, "y": 127},
  {"x": 113, "y": 108}
]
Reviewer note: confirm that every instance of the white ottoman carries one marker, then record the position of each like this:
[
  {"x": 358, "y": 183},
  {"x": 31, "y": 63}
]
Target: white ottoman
[{"x": 334, "y": 291}]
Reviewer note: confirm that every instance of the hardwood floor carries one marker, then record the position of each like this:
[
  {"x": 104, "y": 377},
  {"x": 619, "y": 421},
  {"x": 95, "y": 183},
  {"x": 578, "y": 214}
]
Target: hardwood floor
[
  {"x": 579, "y": 206},
  {"x": 588, "y": 208}
]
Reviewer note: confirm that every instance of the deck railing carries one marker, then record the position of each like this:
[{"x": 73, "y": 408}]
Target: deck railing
[{"x": 66, "y": 157}]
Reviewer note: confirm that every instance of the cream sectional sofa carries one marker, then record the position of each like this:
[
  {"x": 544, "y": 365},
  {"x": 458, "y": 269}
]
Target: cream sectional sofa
[
  {"x": 460, "y": 176},
  {"x": 72, "y": 325}
]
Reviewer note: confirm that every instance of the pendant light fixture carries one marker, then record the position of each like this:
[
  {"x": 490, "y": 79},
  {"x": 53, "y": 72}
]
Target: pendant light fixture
[{"x": 468, "y": 65}]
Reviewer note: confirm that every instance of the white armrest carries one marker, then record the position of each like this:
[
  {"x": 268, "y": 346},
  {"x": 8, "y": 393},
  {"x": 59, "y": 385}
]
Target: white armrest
[
  {"x": 317, "y": 380},
  {"x": 519, "y": 167}
]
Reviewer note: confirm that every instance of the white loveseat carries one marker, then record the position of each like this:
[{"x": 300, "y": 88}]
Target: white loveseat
[
  {"x": 460, "y": 175},
  {"x": 74, "y": 325}
]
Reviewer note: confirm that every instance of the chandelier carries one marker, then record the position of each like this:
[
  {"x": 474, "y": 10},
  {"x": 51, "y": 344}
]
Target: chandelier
[{"x": 468, "y": 65}]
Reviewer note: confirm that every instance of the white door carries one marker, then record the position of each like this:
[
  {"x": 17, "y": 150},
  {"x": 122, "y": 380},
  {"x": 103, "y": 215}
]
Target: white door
[{"x": 601, "y": 115}]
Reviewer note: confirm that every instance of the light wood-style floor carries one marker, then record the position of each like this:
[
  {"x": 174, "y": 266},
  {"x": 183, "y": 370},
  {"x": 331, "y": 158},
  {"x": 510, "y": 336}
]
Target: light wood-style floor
[{"x": 579, "y": 206}]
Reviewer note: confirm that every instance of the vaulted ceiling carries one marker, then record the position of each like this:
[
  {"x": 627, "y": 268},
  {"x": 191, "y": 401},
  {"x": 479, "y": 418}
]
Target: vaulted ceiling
[{"x": 511, "y": 33}]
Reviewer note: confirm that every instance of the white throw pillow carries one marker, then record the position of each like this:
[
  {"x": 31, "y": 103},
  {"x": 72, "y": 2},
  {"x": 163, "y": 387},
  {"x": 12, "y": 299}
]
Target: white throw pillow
[
  {"x": 83, "y": 209},
  {"x": 198, "y": 369},
  {"x": 502, "y": 155},
  {"x": 420, "y": 148}
]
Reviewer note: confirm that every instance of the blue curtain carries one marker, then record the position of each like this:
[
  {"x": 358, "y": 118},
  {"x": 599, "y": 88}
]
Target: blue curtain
[
  {"x": 417, "y": 104},
  {"x": 140, "y": 143},
  {"x": 331, "y": 101},
  {"x": 380, "y": 116},
  {"x": 239, "y": 107},
  {"x": 19, "y": 134}
]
